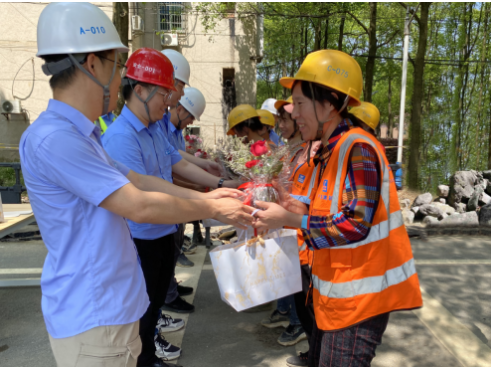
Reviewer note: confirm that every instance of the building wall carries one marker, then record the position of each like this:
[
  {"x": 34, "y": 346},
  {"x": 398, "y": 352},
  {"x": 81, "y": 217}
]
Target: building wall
[
  {"x": 18, "y": 46},
  {"x": 230, "y": 45}
]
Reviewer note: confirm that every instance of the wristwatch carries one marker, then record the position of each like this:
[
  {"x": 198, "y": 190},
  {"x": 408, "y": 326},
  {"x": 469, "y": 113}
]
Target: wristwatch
[{"x": 220, "y": 183}]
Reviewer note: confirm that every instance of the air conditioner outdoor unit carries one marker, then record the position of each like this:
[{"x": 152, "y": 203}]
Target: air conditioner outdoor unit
[
  {"x": 11, "y": 106},
  {"x": 169, "y": 39},
  {"x": 136, "y": 23}
]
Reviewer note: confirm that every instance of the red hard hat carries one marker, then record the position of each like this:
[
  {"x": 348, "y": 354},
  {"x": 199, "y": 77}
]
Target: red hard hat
[{"x": 150, "y": 66}]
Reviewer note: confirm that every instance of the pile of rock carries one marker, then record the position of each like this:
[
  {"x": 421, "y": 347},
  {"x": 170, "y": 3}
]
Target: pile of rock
[{"x": 465, "y": 202}]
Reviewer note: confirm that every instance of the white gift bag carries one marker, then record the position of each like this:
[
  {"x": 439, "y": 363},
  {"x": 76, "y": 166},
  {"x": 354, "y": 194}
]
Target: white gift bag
[{"x": 250, "y": 275}]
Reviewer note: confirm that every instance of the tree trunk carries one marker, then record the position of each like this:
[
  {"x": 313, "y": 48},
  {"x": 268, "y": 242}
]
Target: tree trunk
[
  {"x": 317, "y": 36},
  {"x": 480, "y": 125},
  {"x": 121, "y": 20},
  {"x": 341, "y": 33},
  {"x": 326, "y": 34},
  {"x": 372, "y": 53},
  {"x": 389, "y": 105},
  {"x": 417, "y": 99}
]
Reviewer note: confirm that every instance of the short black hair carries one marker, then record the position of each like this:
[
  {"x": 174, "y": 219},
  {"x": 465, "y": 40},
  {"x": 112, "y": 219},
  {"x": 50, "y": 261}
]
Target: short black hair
[
  {"x": 130, "y": 84},
  {"x": 323, "y": 94},
  {"x": 65, "y": 78},
  {"x": 253, "y": 123}
]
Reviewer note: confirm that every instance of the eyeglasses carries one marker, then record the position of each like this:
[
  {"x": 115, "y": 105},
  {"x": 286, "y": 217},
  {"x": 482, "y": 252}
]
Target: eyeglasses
[
  {"x": 122, "y": 68},
  {"x": 165, "y": 95}
]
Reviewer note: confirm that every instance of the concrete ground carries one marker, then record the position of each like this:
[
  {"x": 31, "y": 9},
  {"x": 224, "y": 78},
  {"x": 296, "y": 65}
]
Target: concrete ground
[{"x": 452, "y": 329}]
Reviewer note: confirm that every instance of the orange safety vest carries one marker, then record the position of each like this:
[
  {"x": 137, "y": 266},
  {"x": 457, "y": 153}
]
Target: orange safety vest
[
  {"x": 355, "y": 282},
  {"x": 303, "y": 183}
]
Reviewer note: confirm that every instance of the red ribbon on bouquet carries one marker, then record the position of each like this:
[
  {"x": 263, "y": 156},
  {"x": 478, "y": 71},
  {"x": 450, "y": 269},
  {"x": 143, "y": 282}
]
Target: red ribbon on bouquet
[{"x": 248, "y": 199}]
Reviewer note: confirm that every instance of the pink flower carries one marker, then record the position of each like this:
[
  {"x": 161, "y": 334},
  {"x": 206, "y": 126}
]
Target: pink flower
[
  {"x": 259, "y": 148},
  {"x": 197, "y": 154}
]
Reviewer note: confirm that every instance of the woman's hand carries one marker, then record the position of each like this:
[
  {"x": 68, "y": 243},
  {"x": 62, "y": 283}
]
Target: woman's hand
[
  {"x": 287, "y": 202},
  {"x": 274, "y": 216}
]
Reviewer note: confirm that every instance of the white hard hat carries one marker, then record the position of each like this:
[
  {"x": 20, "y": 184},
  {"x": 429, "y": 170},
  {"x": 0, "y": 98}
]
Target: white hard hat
[
  {"x": 75, "y": 28},
  {"x": 193, "y": 101},
  {"x": 181, "y": 65},
  {"x": 269, "y": 106}
]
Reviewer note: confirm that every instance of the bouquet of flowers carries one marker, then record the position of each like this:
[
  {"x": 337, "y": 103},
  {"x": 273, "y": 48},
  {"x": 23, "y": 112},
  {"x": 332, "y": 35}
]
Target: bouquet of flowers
[
  {"x": 194, "y": 146},
  {"x": 256, "y": 165}
]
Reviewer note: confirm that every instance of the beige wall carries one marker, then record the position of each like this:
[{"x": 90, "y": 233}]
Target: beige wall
[
  {"x": 230, "y": 45},
  {"x": 17, "y": 45}
]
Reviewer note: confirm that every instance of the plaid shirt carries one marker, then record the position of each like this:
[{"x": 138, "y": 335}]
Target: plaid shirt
[{"x": 361, "y": 191}]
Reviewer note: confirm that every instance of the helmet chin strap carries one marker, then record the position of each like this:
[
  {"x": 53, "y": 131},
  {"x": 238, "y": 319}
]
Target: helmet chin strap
[
  {"x": 107, "y": 95},
  {"x": 320, "y": 124},
  {"x": 145, "y": 102},
  {"x": 179, "y": 119}
]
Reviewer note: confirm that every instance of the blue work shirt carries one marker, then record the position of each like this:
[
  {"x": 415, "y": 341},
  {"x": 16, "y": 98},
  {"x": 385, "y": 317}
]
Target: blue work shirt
[
  {"x": 173, "y": 136},
  {"x": 91, "y": 276},
  {"x": 145, "y": 151},
  {"x": 275, "y": 138}
]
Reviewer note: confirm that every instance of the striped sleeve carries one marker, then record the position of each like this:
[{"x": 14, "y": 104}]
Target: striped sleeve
[{"x": 361, "y": 192}]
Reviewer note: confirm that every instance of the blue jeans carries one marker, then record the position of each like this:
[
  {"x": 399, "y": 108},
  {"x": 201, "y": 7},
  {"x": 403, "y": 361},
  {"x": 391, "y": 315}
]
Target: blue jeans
[{"x": 287, "y": 304}]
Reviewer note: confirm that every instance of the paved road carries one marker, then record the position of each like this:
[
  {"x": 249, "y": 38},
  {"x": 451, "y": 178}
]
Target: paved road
[{"x": 453, "y": 329}]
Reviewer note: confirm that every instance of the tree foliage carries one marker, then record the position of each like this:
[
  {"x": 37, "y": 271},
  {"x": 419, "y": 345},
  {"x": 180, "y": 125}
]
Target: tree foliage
[{"x": 448, "y": 97}]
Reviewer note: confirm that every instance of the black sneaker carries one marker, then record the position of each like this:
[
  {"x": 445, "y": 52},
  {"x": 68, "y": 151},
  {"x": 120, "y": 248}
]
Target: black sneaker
[
  {"x": 184, "y": 291},
  {"x": 184, "y": 262},
  {"x": 302, "y": 360},
  {"x": 277, "y": 319},
  {"x": 179, "y": 305},
  {"x": 292, "y": 335}
]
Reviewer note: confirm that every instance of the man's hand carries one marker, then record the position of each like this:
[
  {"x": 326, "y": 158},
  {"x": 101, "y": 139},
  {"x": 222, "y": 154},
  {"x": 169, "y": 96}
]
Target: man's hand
[
  {"x": 231, "y": 184},
  {"x": 274, "y": 216},
  {"x": 213, "y": 168},
  {"x": 233, "y": 212},
  {"x": 224, "y": 193}
]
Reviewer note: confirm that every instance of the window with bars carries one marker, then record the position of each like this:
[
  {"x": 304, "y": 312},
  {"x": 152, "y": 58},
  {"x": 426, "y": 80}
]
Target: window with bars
[{"x": 171, "y": 17}]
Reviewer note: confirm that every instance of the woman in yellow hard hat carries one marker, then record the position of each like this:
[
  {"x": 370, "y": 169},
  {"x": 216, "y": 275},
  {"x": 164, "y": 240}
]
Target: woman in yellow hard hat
[
  {"x": 366, "y": 116},
  {"x": 363, "y": 267},
  {"x": 245, "y": 121}
]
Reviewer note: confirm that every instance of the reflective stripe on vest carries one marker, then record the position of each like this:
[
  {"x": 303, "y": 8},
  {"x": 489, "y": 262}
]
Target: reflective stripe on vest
[
  {"x": 354, "y": 282},
  {"x": 365, "y": 285},
  {"x": 102, "y": 125}
]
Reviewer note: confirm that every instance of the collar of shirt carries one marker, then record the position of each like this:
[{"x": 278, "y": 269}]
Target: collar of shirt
[
  {"x": 324, "y": 152},
  {"x": 133, "y": 120},
  {"x": 83, "y": 124}
]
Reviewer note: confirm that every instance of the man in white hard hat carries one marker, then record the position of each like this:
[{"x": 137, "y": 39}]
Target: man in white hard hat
[
  {"x": 93, "y": 289},
  {"x": 189, "y": 109},
  {"x": 268, "y": 105}
]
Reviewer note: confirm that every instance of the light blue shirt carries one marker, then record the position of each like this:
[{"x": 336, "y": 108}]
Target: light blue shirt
[
  {"x": 145, "y": 151},
  {"x": 275, "y": 138},
  {"x": 91, "y": 276},
  {"x": 170, "y": 132}
]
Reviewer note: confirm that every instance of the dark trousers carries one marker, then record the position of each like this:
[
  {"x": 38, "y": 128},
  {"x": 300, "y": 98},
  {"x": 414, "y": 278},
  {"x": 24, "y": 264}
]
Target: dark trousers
[
  {"x": 305, "y": 313},
  {"x": 157, "y": 259},
  {"x": 351, "y": 347},
  {"x": 172, "y": 292}
]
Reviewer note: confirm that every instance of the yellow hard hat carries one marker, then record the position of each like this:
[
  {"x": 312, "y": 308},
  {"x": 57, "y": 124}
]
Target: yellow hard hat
[
  {"x": 266, "y": 117},
  {"x": 367, "y": 113},
  {"x": 239, "y": 114},
  {"x": 333, "y": 69},
  {"x": 279, "y": 103}
]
